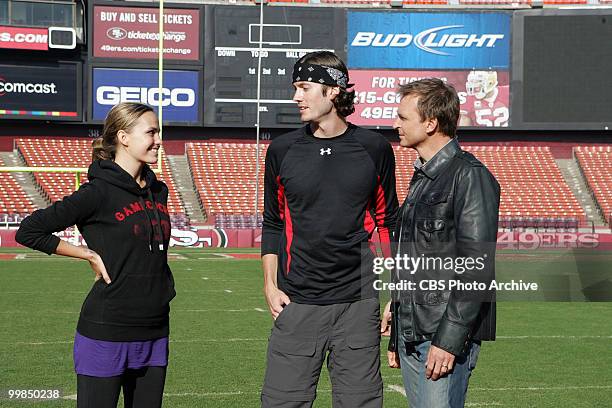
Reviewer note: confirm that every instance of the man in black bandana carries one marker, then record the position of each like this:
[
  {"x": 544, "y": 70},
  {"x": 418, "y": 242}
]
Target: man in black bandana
[{"x": 328, "y": 186}]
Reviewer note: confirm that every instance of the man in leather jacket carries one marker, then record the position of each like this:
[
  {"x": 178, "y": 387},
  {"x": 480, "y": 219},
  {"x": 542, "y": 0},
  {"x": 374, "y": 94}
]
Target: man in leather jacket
[{"x": 451, "y": 211}]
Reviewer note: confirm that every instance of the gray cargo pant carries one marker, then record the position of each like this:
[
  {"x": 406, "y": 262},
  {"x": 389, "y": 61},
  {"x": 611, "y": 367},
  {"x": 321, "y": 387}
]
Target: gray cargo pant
[{"x": 303, "y": 335}]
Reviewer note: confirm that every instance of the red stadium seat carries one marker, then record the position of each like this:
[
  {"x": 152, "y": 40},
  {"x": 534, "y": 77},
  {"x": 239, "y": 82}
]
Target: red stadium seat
[
  {"x": 77, "y": 153},
  {"x": 596, "y": 165},
  {"x": 13, "y": 200},
  {"x": 532, "y": 184},
  {"x": 223, "y": 176}
]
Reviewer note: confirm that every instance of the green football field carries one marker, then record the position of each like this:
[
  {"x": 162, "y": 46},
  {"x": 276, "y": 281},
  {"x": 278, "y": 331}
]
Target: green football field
[{"x": 548, "y": 354}]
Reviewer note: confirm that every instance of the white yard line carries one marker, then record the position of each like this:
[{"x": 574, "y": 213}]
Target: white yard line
[
  {"x": 259, "y": 310},
  {"x": 203, "y": 340},
  {"x": 216, "y": 310},
  {"x": 568, "y": 387},
  {"x": 397, "y": 388},
  {"x": 216, "y": 257},
  {"x": 551, "y": 337}
]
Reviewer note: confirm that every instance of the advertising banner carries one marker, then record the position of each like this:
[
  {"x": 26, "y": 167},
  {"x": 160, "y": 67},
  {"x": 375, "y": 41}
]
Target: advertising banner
[
  {"x": 404, "y": 40},
  {"x": 40, "y": 92},
  {"x": 22, "y": 38},
  {"x": 483, "y": 95},
  {"x": 179, "y": 97},
  {"x": 206, "y": 237},
  {"x": 133, "y": 33}
]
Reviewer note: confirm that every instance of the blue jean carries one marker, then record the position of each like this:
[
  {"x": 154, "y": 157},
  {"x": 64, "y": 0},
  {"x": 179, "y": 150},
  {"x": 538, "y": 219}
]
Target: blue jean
[{"x": 446, "y": 392}]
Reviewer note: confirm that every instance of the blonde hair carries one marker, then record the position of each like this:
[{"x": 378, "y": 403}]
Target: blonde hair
[{"x": 122, "y": 116}]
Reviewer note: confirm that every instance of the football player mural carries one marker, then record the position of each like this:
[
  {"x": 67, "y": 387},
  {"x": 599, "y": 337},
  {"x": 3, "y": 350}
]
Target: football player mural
[{"x": 486, "y": 103}]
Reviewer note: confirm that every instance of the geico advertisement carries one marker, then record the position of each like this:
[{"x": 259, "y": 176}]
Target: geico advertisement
[
  {"x": 133, "y": 33},
  {"x": 404, "y": 40},
  {"x": 178, "y": 97},
  {"x": 483, "y": 94},
  {"x": 39, "y": 92}
]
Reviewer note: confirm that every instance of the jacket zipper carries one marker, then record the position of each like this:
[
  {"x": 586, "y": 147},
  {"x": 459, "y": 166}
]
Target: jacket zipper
[{"x": 399, "y": 245}]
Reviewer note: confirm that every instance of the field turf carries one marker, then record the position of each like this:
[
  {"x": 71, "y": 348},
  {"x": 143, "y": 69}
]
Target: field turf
[{"x": 548, "y": 354}]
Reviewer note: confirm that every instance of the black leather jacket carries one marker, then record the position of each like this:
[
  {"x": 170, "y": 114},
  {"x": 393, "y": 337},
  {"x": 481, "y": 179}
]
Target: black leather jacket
[{"x": 451, "y": 209}]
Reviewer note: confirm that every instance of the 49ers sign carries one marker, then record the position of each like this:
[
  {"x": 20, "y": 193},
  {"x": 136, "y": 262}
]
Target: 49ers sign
[
  {"x": 24, "y": 38},
  {"x": 483, "y": 94}
]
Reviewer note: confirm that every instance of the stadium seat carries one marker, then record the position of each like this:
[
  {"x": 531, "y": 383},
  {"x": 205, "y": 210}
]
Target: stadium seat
[
  {"x": 496, "y": 2},
  {"x": 223, "y": 176},
  {"x": 373, "y": 3},
  {"x": 38, "y": 152},
  {"x": 595, "y": 162},
  {"x": 533, "y": 189},
  {"x": 13, "y": 199},
  {"x": 532, "y": 186}
]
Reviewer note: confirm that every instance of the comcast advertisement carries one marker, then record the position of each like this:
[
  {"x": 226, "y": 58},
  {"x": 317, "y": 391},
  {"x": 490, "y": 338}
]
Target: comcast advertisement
[
  {"x": 40, "y": 92},
  {"x": 133, "y": 33},
  {"x": 179, "y": 96}
]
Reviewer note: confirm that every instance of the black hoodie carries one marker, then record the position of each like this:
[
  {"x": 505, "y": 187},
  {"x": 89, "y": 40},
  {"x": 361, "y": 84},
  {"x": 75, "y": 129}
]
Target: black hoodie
[{"x": 121, "y": 222}]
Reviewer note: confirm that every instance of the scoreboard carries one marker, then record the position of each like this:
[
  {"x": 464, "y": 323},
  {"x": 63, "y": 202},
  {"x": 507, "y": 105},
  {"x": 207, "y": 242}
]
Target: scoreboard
[{"x": 231, "y": 62}]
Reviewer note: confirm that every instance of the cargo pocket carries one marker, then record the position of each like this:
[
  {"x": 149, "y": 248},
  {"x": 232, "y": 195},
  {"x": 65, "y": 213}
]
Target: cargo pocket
[
  {"x": 363, "y": 340},
  {"x": 292, "y": 346},
  {"x": 291, "y": 368},
  {"x": 361, "y": 359}
]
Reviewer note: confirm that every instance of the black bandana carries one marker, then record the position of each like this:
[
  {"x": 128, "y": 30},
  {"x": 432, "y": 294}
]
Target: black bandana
[{"x": 320, "y": 74}]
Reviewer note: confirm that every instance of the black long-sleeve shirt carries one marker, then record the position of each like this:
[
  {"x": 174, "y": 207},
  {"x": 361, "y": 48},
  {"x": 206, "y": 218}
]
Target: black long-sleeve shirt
[{"x": 324, "y": 197}]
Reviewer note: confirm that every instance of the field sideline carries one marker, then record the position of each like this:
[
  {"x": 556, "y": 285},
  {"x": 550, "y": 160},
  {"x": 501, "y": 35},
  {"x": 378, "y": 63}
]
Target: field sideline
[{"x": 548, "y": 354}]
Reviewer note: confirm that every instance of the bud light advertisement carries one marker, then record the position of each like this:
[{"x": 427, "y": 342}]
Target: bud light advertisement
[
  {"x": 402, "y": 40},
  {"x": 179, "y": 96}
]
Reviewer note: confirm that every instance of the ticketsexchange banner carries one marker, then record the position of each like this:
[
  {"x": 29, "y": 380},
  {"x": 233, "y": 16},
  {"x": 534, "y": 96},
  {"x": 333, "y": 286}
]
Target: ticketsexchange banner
[{"x": 133, "y": 33}]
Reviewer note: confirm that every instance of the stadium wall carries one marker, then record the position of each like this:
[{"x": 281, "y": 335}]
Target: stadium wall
[{"x": 208, "y": 237}]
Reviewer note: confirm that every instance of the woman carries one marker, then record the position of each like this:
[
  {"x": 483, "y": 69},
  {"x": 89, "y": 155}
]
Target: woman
[{"x": 122, "y": 334}]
